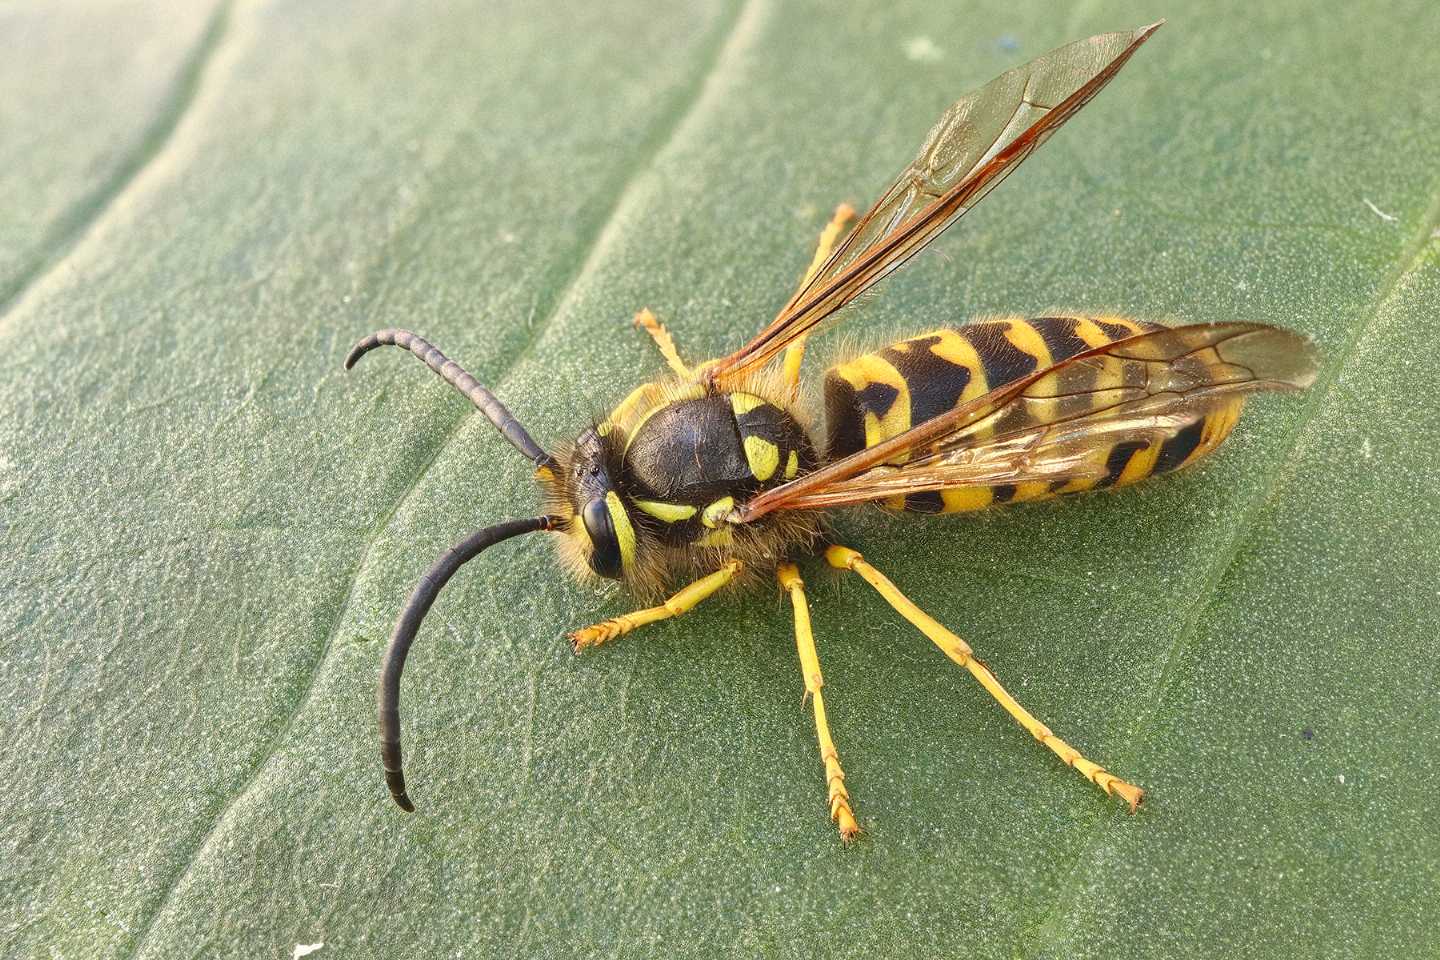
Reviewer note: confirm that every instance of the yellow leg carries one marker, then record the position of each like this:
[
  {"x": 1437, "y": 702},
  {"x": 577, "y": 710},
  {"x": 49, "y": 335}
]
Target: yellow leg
[
  {"x": 840, "y": 810},
  {"x": 682, "y": 602},
  {"x": 958, "y": 650},
  {"x": 796, "y": 351},
  {"x": 648, "y": 322}
]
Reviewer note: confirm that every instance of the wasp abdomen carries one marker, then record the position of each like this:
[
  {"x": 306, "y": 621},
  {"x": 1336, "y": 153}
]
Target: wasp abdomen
[{"x": 881, "y": 395}]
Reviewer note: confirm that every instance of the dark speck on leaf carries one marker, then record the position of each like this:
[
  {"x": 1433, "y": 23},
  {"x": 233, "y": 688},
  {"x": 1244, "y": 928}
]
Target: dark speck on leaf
[{"x": 1307, "y": 734}]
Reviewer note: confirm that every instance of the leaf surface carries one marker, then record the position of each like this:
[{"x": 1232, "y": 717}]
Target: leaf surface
[{"x": 208, "y": 529}]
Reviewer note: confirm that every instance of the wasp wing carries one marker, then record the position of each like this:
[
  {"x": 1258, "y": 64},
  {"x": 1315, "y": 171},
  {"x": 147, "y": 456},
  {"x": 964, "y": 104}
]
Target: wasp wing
[
  {"x": 974, "y": 146},
  {"x": 1056, "y": 424}
]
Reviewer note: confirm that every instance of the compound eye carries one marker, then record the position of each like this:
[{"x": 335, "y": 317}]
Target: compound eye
[{"x": 605, "y": 558}]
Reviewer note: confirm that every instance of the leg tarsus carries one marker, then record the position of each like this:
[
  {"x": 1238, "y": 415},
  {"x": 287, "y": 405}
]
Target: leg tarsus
[
  {"x": 682, "y": 602},
  {"x": 958, "y": 650},
  {"x": 651, "y": 324},
  {"x": 841, "y": 813}
]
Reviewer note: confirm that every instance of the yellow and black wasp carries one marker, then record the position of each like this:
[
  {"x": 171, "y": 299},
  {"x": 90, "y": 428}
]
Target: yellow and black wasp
[{"x": 713, "y": 475}]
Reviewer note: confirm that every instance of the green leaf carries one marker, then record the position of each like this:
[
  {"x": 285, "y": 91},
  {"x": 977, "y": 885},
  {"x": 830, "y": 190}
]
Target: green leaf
[{"x": 208, "y": 529}]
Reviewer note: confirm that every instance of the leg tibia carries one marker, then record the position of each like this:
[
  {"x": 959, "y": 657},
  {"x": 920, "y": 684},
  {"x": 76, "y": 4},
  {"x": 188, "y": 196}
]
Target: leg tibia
[
  {"x": 682, "y": 602},
  {"x": 841, "y": 812},
  {"x": 958, "y": 650}
]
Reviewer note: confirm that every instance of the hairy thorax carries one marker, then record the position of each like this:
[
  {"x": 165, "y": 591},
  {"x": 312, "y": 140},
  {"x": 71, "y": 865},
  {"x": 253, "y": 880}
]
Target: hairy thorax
[{"x": 679, "y": 458}]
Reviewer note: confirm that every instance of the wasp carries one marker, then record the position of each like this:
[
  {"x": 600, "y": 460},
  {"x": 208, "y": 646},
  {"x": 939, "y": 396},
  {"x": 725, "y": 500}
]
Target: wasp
[{"x": 713, "y": 474}]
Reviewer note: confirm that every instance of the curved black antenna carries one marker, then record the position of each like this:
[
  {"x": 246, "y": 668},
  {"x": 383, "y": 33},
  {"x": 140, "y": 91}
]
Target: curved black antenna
[
  {"x": 415, "y": 610},
  {"x": 456, "y": 376}
]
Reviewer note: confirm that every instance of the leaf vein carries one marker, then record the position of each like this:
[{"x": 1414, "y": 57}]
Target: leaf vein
[{"x": 74, "y": 224}]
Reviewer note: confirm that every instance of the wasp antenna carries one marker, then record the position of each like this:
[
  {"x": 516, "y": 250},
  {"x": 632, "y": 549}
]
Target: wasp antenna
[
  {"x": 415, "y": 610},
  {"x": 455, "y": 375}
]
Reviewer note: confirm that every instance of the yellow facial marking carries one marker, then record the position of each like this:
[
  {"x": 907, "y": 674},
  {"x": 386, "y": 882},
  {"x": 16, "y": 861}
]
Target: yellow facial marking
[
  {"x": 743, "y": 403},
  {"x": 624, "y": 533},
  {"x": 712, "y": 515},
  {"x": 792, "y": 466},
  {"x": 763, "y": 457},
  {"x": 576, "y": 529},
  {"x": 668, "y": 512}
]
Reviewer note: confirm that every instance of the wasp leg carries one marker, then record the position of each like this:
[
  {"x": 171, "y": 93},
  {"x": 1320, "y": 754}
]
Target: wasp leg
[
  {"x": 682, "y": 602},
  {"x": 840, "y": 810},
  {"x": 651, "y": 324},
  {"x": 828, "y": 237},
  {"x": 958, "y": 650}
]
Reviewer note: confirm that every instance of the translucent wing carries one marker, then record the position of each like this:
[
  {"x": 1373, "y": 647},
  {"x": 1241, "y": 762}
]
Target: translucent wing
[
  {"x": 976, "y": 144},
  {"x": 1051, "y": 425}
]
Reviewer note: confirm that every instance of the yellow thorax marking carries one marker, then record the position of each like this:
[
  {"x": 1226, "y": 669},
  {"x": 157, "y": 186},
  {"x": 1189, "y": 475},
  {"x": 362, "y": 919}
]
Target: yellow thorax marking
[
  {"x": 668, "y": 512},
  {"x": 743, "y": 403},
  {"x": 712, "y": 515},
  {"x": 763, "y": 457},
  {"x": 792, "y": 466},
  {"x": 624, "y": 533},
  {"x": 631, "y": 401},
  {"x": 717, "y": 538},
  {"x": 658, "y": 396}
]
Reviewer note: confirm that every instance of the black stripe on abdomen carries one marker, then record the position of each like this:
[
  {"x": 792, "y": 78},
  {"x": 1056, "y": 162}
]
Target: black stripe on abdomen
[
  {"x": 1118, "y": 460},
  {"x": 845, "y": 409},
  {"x": 1177, "y": 449},
  {"x": 935, "y": 383},
  {"x": 928, "y": 501},
  {"x": 1003, "y": 361},
  {"x": 1060, "y": 337}
]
